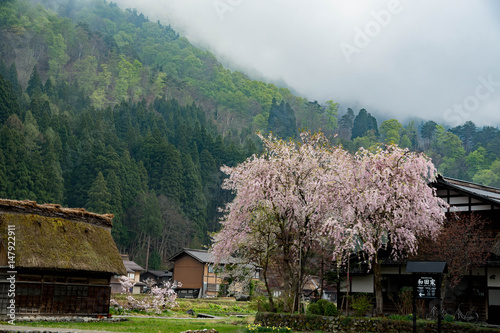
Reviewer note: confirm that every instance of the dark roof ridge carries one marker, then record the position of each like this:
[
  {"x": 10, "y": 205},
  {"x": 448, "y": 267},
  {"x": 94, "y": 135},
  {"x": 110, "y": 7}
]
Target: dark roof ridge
[
  {"x": 54, "y": 210},
  {"x": 470, "y": 184}
]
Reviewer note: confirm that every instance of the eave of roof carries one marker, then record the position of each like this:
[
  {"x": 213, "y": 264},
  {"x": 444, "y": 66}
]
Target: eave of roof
[
  {"x": 487, "y": 193},
  {"x": 159, "y": 274}
]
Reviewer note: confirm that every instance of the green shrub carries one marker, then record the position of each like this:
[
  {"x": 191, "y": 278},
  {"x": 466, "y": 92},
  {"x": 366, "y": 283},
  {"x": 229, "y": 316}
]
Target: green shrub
[
  {"x": 321, "y": 305},
  {"x": 361, "y": 303},
  {"x": 449, "y": 318},
  {"x": 331, "y": 309},
  {"x": 313, "y": 308},
  {"x": 323, "y": 308},
  {"x": 261, "y": 304}
]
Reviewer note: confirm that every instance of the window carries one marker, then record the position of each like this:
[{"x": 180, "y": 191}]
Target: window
[
  {"x": 131, "y": 276},
  {"x": 210, "y": 268}
]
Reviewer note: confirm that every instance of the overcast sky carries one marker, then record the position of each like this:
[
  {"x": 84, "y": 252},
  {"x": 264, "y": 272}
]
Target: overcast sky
[{"x": 430, "y": 59}]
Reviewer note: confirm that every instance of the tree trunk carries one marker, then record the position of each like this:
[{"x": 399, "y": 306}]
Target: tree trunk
[
  {"x": 288, "y": 281},
  {"x": 322, "y": 283},
  {"x": 269, "y": 293},
  {"x": 147, "y": 252},
  {"x": 379, "y": 299}
]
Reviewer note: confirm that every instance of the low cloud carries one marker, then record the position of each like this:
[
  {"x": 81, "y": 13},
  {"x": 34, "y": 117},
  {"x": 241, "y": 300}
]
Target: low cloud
[{"x": 399, "y": 58}]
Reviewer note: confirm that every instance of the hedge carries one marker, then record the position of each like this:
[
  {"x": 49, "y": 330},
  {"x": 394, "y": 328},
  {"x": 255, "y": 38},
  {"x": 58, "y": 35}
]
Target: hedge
[{"x": 359, "y": 324}]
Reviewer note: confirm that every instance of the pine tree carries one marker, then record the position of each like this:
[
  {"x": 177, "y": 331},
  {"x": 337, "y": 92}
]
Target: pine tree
[
  {"x": 195, "y": 204},
  {"x": 35, "y": 85},
  {"x": 99, "y": 198},
  {"x": 8, "y": 100},
  {"x": 363, "y": 123}
]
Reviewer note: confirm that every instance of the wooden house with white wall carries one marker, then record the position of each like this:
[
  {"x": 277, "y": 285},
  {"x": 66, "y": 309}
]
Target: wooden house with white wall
[{"x": 481, "y": 286}]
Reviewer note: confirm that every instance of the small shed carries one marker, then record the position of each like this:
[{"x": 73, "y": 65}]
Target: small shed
[{"x": 62, "y": 260}]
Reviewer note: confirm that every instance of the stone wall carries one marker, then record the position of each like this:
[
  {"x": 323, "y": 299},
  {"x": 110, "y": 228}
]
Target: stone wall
[{"x": 361, "y": 325}]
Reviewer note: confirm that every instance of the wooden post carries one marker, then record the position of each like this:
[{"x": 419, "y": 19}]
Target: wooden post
[
  {"x": 439, "y": 278},
  {"x": 414, "y": 302}
]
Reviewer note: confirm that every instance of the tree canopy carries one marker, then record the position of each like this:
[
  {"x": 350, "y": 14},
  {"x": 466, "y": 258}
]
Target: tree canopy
[{"x": 297, "y": 193}]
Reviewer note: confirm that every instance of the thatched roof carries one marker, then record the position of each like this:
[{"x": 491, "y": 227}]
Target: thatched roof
[
  {"x": 52, "y": 210},
  {"x": 49, "y": 237}
]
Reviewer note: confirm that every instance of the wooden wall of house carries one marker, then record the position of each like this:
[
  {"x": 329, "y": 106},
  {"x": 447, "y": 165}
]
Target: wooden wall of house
[
  {"x": 189, "y": 272},
  {"x": 3, "y": 254},
  {"x": 50, "y": 293}
]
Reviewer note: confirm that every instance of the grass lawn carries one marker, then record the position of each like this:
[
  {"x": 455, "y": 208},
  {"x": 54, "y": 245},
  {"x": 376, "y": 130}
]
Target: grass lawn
[
  {"x": 220, "y": 307},
  {"x": 152, "y": 325}
]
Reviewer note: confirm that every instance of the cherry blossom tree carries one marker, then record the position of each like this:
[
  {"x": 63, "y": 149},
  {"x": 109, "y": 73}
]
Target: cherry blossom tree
[
  {"x": 277, "y": 217},
  {"x": 295, "y": 195},
  {"x": 386, "y": 204},
  {"x": 157, "y": 300}
]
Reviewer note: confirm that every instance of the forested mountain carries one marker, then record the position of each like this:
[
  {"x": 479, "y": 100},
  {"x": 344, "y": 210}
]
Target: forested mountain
[{"x": 101, "y": 108}]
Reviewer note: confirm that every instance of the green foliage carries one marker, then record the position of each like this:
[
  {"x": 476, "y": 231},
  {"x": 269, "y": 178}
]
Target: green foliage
[
  {"x": 323, "y": 308},
  {"x": 398, "y": 317},
  {"x": 258, "y": 328},
  {"x": 99, "y": 197},
  {"x": 251, "y": 288},
  {"x": 261, "y": 304},
  {"x": 361, "y": 303},
  {"x": 108, "y": 116},
  {"x": 363, "y": 123},
  {"x": 331, "y": 309},
  {"x": 390, "y": 131},
  {"x": 448, "y": 318}
]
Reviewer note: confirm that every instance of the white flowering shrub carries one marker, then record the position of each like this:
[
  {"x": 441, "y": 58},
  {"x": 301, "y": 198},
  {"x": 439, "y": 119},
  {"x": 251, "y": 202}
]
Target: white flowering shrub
[{"x": 157, "y": 300}]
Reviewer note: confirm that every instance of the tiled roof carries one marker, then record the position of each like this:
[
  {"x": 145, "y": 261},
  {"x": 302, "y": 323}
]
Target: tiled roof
[
  {"x": 486, "y": 192},
  {"x": 160, "y": 274},
  {"x": 131, "y": 266},
  {"x": 202, "y": 256}
]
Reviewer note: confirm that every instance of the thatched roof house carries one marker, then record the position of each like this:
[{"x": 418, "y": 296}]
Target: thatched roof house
[{"x": 63, "y": 258}]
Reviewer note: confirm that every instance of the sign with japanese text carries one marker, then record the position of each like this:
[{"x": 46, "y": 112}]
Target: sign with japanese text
[{"x": 427, "y": 287}]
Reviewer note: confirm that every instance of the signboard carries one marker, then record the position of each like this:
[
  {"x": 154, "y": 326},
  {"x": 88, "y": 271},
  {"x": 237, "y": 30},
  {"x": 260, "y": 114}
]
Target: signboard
[
  {"x": 427, "y": 287},
  {"x": 426, "y": 284}
]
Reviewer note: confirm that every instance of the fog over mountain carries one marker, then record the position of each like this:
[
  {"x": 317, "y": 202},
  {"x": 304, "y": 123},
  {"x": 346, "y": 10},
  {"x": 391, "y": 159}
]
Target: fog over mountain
[{"x": 398, "y": 58}]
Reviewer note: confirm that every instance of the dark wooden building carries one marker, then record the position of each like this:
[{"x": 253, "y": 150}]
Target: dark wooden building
[
  {"x": 62, "y": 260},
  {"x": 480, "y": 287},
  {"x": 194, "y": 269}
]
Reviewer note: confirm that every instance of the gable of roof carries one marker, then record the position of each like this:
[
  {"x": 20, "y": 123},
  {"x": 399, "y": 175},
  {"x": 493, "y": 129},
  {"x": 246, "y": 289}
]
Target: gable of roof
[
  {"x": 49, "y": 237},
  {"x": 200, "y": 255},
  {"x": 203, "y": 256}
]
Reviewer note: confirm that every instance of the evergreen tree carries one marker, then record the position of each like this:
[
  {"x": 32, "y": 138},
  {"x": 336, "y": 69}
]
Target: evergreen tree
[
  {"x": 194, "y": 203},
  {"x": 8, "y": 100},
  {"x": 12, "y": 77},
  {"x": 282, "y": 120},
  {"x": 363, "y": 123},
  {"x": 99, "y": 198},
  {"x": 54, "y": 181},
  {"x": 35, "y": 85},
  {"x": 346, "y": 123}
]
